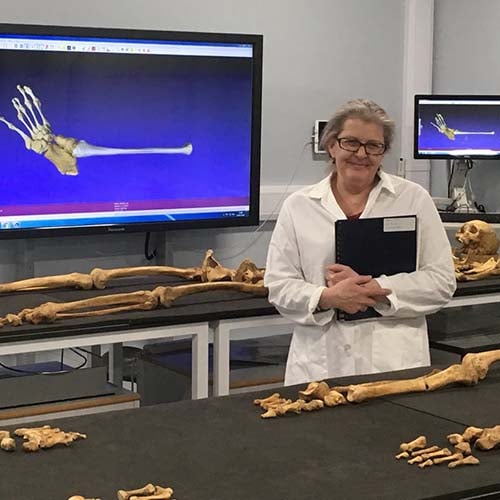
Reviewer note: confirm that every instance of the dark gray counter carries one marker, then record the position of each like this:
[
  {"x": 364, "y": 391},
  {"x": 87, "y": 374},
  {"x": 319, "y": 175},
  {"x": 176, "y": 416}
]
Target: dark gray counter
[{"x": 220, "y": 449}]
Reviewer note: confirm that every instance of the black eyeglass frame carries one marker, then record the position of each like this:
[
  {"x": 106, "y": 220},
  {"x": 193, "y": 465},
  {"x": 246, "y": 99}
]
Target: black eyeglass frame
[{"x": 361, "y": 144}]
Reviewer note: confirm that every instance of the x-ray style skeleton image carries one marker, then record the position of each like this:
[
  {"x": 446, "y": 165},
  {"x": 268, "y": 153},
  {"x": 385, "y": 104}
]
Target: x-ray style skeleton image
[
  {"x": 440, "y": 124},
  {"x": 63, "y": 151}
]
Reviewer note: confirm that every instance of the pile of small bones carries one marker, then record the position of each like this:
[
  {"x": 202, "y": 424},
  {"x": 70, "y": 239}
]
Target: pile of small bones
[
  {"x": 37, "y": 438},
  {"x": 148, "y": 492},
  {"x": 418, "y": 451}
]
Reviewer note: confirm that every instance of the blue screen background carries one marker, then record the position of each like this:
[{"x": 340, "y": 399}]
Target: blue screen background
[
  {"x": 463, "y": 117},
  {"x": 130, "y": 101}
]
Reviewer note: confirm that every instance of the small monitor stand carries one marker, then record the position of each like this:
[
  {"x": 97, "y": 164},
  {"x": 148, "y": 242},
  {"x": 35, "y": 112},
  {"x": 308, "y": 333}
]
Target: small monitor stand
[{"x": 460, "y": 190}]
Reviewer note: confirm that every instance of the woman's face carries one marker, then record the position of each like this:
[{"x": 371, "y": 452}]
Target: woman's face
[{"x": 357, "y": 169}]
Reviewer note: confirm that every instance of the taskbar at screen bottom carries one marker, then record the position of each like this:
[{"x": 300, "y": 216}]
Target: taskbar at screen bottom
[{"x": 48, "y": 223}]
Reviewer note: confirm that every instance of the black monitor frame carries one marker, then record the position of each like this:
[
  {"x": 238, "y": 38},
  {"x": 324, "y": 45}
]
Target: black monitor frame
[
  {"x": 256, "y": 40},
  {"x": 458, "y": 98}
]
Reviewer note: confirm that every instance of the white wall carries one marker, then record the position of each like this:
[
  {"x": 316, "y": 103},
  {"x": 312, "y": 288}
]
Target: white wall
[
  {"x": 316, "y": 56},
  {"x": 466, "y": 61}
]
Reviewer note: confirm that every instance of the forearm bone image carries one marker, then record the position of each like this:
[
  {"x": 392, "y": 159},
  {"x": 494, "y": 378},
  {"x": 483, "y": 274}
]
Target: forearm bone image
[{"x": 63, "y": 151}]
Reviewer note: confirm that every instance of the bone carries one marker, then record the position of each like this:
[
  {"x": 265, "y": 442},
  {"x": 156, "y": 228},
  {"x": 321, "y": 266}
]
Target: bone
[
  {"x": 474, "y": 367},
  {"x": 426, "y": 463},
  {"x": 315, "y": 390},
  {"x": 159, "y": 494},
  {"x": 489, "y": 439},
  {"x": 100, "y": 306},
  {"x": 272, "y": 399},
  {"x": 430, "y": 449},
  {"x": 248, "y": 272},
  {"x": 46, "y": 437},
  {"x": 472, "y": 433},
  {"x": 463, "y": 448},
  {"x": 6, "y": 442},
  {"x": 450, "y": 458},
  {"x": 168, "y": 294},
  {"x": 74, "y": 280},
  {"x": 10, "y": 319},
  {"x": 212, "y": 270},
  {"x": 334, "y": 398},
  {"x": 416, "y": 460},
  {"x": 403, "y": 454},
  {"x": 418, "y": 443},
  {"x": 149, "y": 489},
  {"x": 101, "y": 277},
  {"x": 445, "y": 452},
  {"x": 84, "y": 149},
  {"x": 454, "y": 438},
  {"x": 295, "y": 407},
  {"x": 470, "y": 460},
  {"x": 314, "y": 404},
  {"x": 79, "y": 497}
]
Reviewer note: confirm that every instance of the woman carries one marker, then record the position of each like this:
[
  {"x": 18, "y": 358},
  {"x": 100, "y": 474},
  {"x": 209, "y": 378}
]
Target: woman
[{"x": 306, "y": 285}]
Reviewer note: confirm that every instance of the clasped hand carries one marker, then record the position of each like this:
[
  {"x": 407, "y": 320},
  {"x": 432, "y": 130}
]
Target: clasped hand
[{"x": 350, "y": 291}]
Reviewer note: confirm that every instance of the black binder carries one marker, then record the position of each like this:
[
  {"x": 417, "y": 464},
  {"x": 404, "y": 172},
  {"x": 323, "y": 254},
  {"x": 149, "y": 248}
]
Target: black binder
[{"x": 375, "y": 246}]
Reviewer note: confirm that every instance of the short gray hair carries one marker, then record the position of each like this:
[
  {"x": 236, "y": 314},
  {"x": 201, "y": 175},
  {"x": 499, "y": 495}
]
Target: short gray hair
[{"x": 364, "y": 109}]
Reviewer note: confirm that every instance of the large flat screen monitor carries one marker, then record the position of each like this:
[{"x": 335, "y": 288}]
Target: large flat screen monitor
[
  {"x": 111, "y": 130},
  {"x": 457, "y": 126}
]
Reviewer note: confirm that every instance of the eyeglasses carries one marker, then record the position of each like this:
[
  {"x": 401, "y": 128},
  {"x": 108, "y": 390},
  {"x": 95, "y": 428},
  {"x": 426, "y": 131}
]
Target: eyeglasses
[{"x": 371, "y": 147}]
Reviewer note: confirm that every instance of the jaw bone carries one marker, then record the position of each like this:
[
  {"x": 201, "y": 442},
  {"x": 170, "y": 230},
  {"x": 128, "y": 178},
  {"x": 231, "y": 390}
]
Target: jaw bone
[{"x": 60, "y": 150}]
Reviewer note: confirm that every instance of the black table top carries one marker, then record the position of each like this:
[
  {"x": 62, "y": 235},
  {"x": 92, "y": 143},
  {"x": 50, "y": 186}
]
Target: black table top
[{"x": 220, "y": 449}]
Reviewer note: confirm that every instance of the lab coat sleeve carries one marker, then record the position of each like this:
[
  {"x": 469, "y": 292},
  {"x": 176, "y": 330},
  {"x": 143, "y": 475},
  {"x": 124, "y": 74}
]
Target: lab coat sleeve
[
  {"x": 293, "y": 297},
  {"x": 428, "y": 289}
]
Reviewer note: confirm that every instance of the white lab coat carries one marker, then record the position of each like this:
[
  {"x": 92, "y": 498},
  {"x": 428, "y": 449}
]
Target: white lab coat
[{"x": 301, "y": 247}]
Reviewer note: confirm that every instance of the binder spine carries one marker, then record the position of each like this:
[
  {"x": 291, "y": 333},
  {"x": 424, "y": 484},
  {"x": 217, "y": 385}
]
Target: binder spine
[{"x": 341, "y": 315}]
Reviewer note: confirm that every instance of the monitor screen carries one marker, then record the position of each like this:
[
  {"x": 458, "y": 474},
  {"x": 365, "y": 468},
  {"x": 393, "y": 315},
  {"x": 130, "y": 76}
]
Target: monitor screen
[
  {"x": 105, "y": 130},
  {"x": 457, "y": 126}
]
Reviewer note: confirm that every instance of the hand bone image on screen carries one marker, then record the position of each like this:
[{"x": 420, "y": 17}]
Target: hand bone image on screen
[
  {"x": 60, "y": 150},
  {"x": 103, "y": 128},
  {"x": 457, "y": 126}
]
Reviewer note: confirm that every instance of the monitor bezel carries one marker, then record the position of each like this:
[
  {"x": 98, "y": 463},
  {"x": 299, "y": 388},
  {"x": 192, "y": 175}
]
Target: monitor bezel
[
  {"x": 256, "y": 40},
  {"x": 457, "y": 97}
]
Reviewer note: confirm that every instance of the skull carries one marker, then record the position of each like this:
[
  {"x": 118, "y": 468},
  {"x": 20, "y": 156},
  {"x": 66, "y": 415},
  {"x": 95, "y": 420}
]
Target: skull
[{"x": 477, "y": 238}]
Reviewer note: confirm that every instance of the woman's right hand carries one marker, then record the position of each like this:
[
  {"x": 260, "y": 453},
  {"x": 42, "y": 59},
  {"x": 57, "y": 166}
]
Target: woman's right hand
[
  {"x": 335, "y": 273},
  {"x": 351, "y": 296}
]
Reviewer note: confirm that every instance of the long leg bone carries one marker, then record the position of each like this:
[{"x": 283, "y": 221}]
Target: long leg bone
[
  {"x": 474, "y": 367},
  {"x": 76, "y": 280},
  {"x": 100, "y": 277},
  {"x": 167, "y": 294},
  {"x": 100, "y": 306}
]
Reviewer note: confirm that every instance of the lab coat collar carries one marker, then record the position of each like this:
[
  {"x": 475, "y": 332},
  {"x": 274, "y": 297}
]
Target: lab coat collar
[{"x": 322, "y": 191}]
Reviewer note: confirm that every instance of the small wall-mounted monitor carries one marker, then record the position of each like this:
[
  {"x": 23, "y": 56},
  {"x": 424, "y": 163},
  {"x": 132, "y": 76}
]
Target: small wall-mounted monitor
[
  {"x": 457, "y": 126},
  {"x": 116, "y": 130},
  {"x": 319, "y": 126}
]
